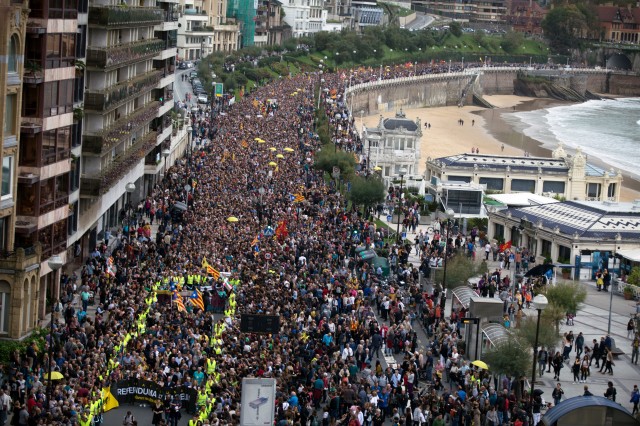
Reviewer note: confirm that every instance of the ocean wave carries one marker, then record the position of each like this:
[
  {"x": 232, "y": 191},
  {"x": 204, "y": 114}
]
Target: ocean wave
[{"x": 604, "y": 129}]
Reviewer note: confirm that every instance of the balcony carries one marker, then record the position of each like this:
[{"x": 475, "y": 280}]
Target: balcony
[
  {"x": 125, "y": 16},
  {"x": 97, "y": 185},
  {"x": 22, "y": 258},
  {"x": 101, "y": 142},
  {"x": 114, "y": 96},
  {"x": 115, "y": 56}
]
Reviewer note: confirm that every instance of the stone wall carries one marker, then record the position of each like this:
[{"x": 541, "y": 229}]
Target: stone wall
[{"x": 437, "y": 90}]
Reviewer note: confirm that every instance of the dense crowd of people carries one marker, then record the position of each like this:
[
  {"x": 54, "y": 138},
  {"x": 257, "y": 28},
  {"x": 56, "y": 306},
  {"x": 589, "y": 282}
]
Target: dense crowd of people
[{"x": 292, "y": 253}]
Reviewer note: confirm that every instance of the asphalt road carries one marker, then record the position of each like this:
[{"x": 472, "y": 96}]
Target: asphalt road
[{"x": 422, "y": 21}]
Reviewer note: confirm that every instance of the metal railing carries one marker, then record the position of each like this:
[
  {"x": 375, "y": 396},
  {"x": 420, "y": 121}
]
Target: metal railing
[
  {"x": 122, "y": 16},
  {"x": 112, "y": 97},
  {"x": 107, "y": 57}
]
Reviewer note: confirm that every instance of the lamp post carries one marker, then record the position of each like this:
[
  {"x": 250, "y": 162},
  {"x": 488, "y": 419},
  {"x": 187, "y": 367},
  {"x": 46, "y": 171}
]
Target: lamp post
[
  {"x": 55, "y": 263},
  {"x": 190, "y": 136},
  {"x": 449, "y": 213},
  {"x": 540, "y": 302},
  {"x": 130, "y": 187},
  {"x": 402, "y": 172},
  {"x": 613, "y": 277},
  {"x": 165, "y": 153}
]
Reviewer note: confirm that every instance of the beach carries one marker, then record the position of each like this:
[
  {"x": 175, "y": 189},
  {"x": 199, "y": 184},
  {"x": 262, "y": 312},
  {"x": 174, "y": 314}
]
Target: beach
[{"x": 485, "y": 130}]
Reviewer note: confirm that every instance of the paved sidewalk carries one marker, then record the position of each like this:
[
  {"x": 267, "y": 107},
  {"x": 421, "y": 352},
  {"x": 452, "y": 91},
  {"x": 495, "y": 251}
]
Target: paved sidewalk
[{"x": 591, "y": 320}]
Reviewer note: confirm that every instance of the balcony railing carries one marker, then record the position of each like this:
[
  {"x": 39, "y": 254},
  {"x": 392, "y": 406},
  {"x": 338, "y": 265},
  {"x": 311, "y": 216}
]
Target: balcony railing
[
  {"x": 125, "y": 16},
  {"x": 114, "y": 96},
  {"x": 99, "y": 184},
  {"x": 100, "y": 142},
  {"x": 107, "y": 57}
]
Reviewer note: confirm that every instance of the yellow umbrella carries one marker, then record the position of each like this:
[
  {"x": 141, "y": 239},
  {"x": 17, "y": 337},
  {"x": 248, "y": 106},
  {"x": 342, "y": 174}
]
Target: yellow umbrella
[
  {"x": 377, "y": 168},
  {"x": 257, "y": 139},
  {"x": 273, "y": 163},
  {"x": 287, "y": 149},
  {"x": 272, "y": 149},
  {"x": 279, "y": 156},
  {"x": 55, "y": 375},
  {"x": 480, "y": 364},
  {"x": 232, "y": 219}
]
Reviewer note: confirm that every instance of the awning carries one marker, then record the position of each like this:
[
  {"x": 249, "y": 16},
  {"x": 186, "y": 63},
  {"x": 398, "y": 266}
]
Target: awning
[
  {"x": 630, "y": 254},
  {"x": 464, "y": 295},
  {"x": 496, "y": 333}
]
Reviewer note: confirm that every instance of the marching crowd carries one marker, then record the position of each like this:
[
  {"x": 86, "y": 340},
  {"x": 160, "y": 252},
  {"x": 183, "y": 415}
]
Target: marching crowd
[{"x": 337, "y": 317}]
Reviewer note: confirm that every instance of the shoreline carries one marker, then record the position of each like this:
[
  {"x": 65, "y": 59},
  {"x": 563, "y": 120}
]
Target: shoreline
[
  {"x": 488, "y": 131},
  {"x": 496, "y": 124}
]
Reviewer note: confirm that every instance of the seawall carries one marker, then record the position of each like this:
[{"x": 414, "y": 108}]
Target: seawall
[{"x": 435, "y": 90}]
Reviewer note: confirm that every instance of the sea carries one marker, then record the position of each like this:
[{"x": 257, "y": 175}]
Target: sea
[{"x": 607, "y": 130}]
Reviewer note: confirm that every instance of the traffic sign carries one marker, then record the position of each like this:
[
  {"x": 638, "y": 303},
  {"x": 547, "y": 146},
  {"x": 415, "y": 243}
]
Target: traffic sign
[{"x": 267, "y": 256}]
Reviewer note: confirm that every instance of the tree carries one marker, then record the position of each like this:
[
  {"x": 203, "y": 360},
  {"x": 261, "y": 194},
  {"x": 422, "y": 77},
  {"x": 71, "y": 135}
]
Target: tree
[
  {"x": 547, "y": 334},
  {"x": 566, "y": 295},
  {"x": 564, "y": 25},
  {"x": 366, "y": 191},
  {"x": 554, "y": 314},
  {"x": 326, "y": 159},
  {"x": 455, "y": 28},
  {"x": 509, "y": 358},
  {"x": 459, "y": 269}
]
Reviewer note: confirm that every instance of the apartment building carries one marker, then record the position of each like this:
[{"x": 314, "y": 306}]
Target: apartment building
[
  {"x": 270, "y": 27},
  {"x": 226, "y": 32},
  {"x": 305, "y": 17},
  {"x": 204, "y": 29},
  {"x": 45, "y": 183},
  {"x": 126, "y": 123},
  {"x": 20, "y": 293},
  {"x": 493, "y": 11}
]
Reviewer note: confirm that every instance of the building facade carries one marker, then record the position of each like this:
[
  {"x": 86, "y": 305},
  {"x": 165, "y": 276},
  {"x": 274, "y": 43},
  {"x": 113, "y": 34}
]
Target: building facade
[
  {"x": 127, "y": 123},
  {"x": 586, "y": 234},
  {"x": 619, "y": 24},
  {"x": 52, "y": 91},
  {"x": 392, "y": 145},
  {"x": 305, "y": 17},
  {"x": 474, "y": 10},
  {"x": 21, "y": 295},
  {"x": 270, "y": 28},
  {"x": 570, "y": 177}
]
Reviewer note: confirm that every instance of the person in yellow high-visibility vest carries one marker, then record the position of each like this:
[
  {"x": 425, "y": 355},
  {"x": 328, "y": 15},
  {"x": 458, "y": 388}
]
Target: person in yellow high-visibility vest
[
  {"x": 202, "y": 399},
  {"x": 197, "y": 279},
  {"x": 190, "y": 280},
  {"x": 85, "y": 420},
  {"x": 211, "y": 366}
]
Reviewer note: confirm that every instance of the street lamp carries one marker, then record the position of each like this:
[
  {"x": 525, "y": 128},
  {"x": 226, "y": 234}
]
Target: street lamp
[
  {"x": 540, "y": 302},
  {"x": 189, "y": 135},
  {"x": 402, "y": 172},
  {"x": 449, "y": 213},
  {"x": 165, "y": 153},
  {"x": 130, "y": 187},
  {"x": 55, "y": 263}
]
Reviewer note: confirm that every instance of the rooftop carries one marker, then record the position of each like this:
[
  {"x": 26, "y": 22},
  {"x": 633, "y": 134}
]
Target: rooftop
[
  {"x": 584, "y": 219},
  {"x": 502, "y": 162}
]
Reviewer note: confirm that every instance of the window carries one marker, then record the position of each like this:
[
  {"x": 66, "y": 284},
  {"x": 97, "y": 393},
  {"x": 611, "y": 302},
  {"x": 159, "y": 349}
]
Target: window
[
  {"x": 7, "y": 177},
  {"x": 493, "y": 184},
  {"x": 611, "y": 191},
  {"x": 10, "y": 115},
  {"x": 61, "y": 50},
  {"x": 546, "y": 248},
  {"x": 523, "y": 185},
  {"x": 13, "y": 54},
  {"x": 5, "y": 306},
  {"x": 453, "y": 178},
  {"x": 556, "y": 187},
  {"x": 593, "y": 190}
]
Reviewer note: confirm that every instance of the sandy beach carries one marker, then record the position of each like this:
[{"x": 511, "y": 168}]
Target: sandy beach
[{"x": 483, "y": 129}]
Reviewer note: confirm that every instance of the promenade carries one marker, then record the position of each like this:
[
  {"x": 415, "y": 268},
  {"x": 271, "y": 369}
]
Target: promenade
[{"x": 591, "y": 320}]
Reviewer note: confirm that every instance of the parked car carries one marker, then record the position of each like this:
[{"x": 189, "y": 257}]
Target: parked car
[
  {"x": 203, "y": 99},
  {"x": 182, "y": 66}
]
